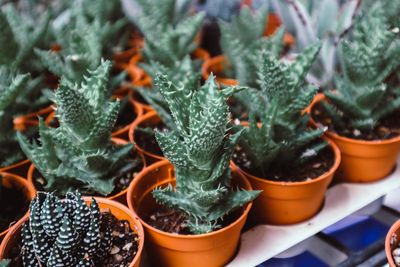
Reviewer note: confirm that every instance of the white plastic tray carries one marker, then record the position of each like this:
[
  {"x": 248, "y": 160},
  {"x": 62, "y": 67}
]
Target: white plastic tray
[{"x": 263, "y": 242}]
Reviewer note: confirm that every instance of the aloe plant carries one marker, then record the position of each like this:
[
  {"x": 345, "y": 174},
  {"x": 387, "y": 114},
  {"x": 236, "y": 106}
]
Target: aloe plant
[
  {"x": 79, "y": 153},
  {"x": 64, "y": 233},
  {"x": 283, "y": 139},
  {"x": 169, "y": 35},
  {"x": 5, "y": 263},
  {"x": 362, "y": 98},
  {"x": 313, "y": 20},
  {"x": 200, "y": 149}
]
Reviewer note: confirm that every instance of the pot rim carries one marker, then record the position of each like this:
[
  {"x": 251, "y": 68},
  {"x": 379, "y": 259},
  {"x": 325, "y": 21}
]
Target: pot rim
[
  {"x": 388, "y": 248},
  {"x": 212, "y": 61},
  {"x": 321, "y": 97},
  {"x": 139, "y": 228},
  {"x": 30, "y": 194},
  {"x": 171, "y": 235},
  {"x": 131, "y": 134},
  {"x": 325, "y": 175},
  {"x": 15, "y": 165}
]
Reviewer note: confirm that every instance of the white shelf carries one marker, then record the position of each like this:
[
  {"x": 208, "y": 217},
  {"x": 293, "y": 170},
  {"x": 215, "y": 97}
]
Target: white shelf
[{"x": 263, "y": 242}]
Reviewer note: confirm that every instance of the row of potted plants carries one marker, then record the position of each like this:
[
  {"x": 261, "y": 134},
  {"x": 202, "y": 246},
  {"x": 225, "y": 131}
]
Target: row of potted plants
[{"x": 190, "y": 207}]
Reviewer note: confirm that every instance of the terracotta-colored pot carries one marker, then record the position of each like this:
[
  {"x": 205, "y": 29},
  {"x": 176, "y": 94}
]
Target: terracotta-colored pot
[
  {"x": 363, "y": 161},
  {"x": 23, "y": 122},
  {"x": 135, "y": 98},
  {"x": 213, "y": 249},
  {"x": 19, "y": 168},
  {"x": 121, "y": 196},
  {"x": 118, "y": 210},
  {"x": 217, "y": 65},
  {"x": 273, "y": 23},
  {"x": 14, "y": 181},
  {"x": 284, "y": 203},
  {"x": 201, "y": 53},
  {"x": 150, "y": 118},
  {"x": 390, "y": 243}
]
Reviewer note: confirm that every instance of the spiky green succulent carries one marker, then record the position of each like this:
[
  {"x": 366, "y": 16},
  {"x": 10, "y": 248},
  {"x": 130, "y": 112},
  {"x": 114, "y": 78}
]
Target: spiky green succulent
[
  {"x": 64, "y": 233},
  {"x": 5, "y": 263},
  {"x": 283, "y": 139},
  {"x": 79, "y": 153},
  {"x": 11, "y": 87},
  {"x": 19, "y": 36},
  {"x": 169, "y": 35},
  {"x": 200, "y": 150},
  {"x": 313, "y": 20},
  {"x": 362, "y": 98}
]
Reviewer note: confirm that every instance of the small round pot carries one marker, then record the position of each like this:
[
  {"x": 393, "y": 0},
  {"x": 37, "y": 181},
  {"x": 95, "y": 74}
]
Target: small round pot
[
  {"x": 283, "y": 203},
  {"x": 118, "y": 210},
  {"x": 212, "y": 249},
  {"x": 121, "y": 196},
  {"x": 217, "y": 65},
  {"x": 390, "y": 244},
  {"x": 23, "y": 122},
  {"x": 150, "y": 118},
  {"x": 363, "y": 161},
  {"x": 26, "y": 188}
]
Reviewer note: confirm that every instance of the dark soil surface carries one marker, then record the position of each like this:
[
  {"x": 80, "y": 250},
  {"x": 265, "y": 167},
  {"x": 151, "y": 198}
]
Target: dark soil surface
[
  {"x": 13, "y": 206},
  {"x": 126, "y": 115},
  {"x": 173, "y": 221},
  {"x": 311, "y": 170},
  {"x": 124, "y": 247},
  {"x": 388, "y": 127},
  {"x": 238, "y": 111},
  {"x": 144, "y": 137},
  {"x": 122, "y": 182}
]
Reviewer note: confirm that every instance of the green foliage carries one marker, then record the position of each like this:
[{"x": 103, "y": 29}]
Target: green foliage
[
  {"x": 200, "y": 150},
  {"x": 283, "y": 138},
  {"x": 18, "y": 38},
  {"x": 11, "y": 87},
  {"x": 64, "y": 233},
  {"x": 169, "y": 35},
  {"x": 86, "y": 39},
  {"x": 362, "y": 99},
  {"x": 5, "y": 263},
  {"x": 313, "y": 20},
  {"x": 79, "y": 153}
]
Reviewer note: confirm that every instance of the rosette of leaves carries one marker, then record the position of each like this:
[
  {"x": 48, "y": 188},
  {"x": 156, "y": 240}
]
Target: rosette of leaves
[
  {"x": 19, "y": 36},
  {"x": 11, "y": 87},
  {"x": 283, "y": 138},
  {"x": 362, "y": 98},
  {"x": 64, "y": 233},
  {"x": 79, "y": 153},
  {"x": 313, "y": 20},
  {"x": 169, "y": 34},
  {"x": 84, "y": 40},
  {"x": 200, "y": 150}
]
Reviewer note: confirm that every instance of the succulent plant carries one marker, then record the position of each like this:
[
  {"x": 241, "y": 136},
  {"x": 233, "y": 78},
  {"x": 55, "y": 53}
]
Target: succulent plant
[
  {"x": 283, "y": 139},
  {"x": 11, "y": 87},
  {"x": 362, "y": 98},
  {"x": 220, "y": 9},
  {"x": 18, "y": 39},
  {"x": 5, "y": 263},
  {"x": 313, "y": 20},
  {"x": 200, "y": 150},
  {"x": 169, "y": 35},
  {"x": 64, "y": 233},
  {"x": 79, "y": 153}
]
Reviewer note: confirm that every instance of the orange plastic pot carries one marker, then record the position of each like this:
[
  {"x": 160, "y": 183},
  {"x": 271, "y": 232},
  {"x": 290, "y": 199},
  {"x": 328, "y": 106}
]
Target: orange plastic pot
[
  {"x": 217, "y": 65},
  {"x": 150, "y": 119},
  {"x": 120, "y": 197},
  {"x": 23, "y": 122},
  {"x": 212, "y": 249},
  {"x": 363, "y": 161},
  {"x": 121, "y": 212},
  {"x": 19, "y": 168},
  {"x": 283, "y": 203},
  {"x": 273, "y": 23},
  {"x": 391, "y": 243},
  {"x": 134, "y": 96},
  {"x": 201, "y": 53},
  {"x": 24, "y": 186}
]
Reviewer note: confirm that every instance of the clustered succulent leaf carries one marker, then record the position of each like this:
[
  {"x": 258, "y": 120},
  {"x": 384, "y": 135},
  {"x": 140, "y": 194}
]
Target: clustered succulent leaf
[
  {"x": 283, "y": 138},
  {"x": 200, "y": 150},
  {"x": 362, "y": 98},
  {"x": 85, "y": 38},
  {"x": 11, "y": 87},
  {"x": 169, "y": 35},
  {"x": 64, "y": 233},
  {"x": 313, "y": 20},
  {"x": 79, "y": 153},
  {"x": 5, "y": 263}
]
